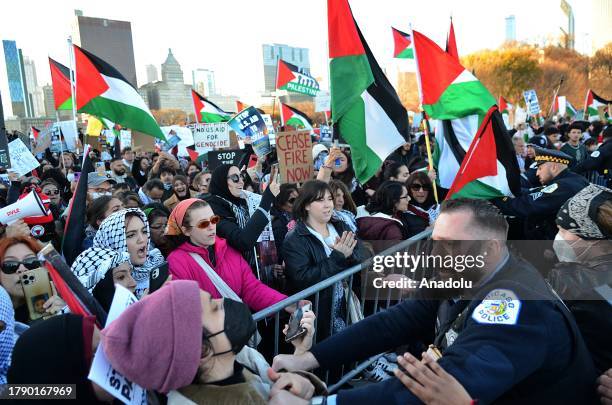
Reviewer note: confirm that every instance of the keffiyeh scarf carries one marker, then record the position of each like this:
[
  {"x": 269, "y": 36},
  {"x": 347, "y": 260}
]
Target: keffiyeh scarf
[
  {"x": 7, "y": 335},
  {"x": 579, "y": 214},
  {"x": 91, "y": 266}
]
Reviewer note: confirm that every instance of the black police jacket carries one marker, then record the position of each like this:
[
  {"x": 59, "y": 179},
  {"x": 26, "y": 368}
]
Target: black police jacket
[
  {"x": 518, "y": 344},
  {"x": 599, "y": 160}
]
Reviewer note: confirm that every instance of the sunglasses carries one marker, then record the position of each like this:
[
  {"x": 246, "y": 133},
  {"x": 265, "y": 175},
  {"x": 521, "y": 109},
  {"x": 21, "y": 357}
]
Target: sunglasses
[
  {"x": 235, "y": 178},
  {"x": 11, "y": 266},
  {"x": 51, "y": 192},
  {"x": 214, "y": 220},
  {"x": 419, "y": 187}
]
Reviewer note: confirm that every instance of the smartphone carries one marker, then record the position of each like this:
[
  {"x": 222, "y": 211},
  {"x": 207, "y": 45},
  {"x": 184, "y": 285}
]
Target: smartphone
[
  {"x": 295, "y": 330},
  {"x": 275, "y": 173},
  {"x": 37, "y": 290},
  {"x": 158, "y": 277}
]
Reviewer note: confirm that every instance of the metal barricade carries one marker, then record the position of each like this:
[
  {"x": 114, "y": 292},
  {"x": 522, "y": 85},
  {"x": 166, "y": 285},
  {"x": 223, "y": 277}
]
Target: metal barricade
[{"x": 348, "y": 275}]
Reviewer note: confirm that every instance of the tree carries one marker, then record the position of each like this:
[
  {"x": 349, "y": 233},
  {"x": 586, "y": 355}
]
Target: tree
[
  {"x": 165, "y": 117},
  {"x": 601, "y": 71}
]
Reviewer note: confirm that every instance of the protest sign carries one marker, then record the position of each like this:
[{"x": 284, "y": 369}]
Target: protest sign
[
  {"x": 125, "y": 138},
  {"x": 322, "y": 103},
  {"x": 250, "y": 124},
  {"x": 67, "y": 132},
  {"x": 326, "y": 134},
  {"x": 228, "y": 157},
  {"x": 271, "y": 131},
  {"x": 102, "y": 372},
  {"x": 294, "y": 151},
  {"x": 531, "y": 100},
  {"x": 43, "y": 142},
  {"x": 210, "y": 136},
  {"x": 22, "y": 161},
  {"x": 57, "y": 142},
  {"x": 142, "y": 142}
]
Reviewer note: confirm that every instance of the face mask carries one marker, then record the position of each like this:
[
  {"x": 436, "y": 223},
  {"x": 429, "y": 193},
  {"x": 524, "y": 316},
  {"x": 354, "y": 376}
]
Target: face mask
[
  {"x": 239, "y": 325},
  {"x": 70, "y": 177},
  {"x": 167, "y": 186},
  {"x": 563, "y": 249},
  {"x": 95, "y": 195}
]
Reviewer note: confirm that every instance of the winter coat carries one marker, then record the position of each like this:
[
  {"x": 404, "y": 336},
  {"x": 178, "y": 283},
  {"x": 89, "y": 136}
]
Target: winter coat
[
  {"x": 380, "y": 227},
  {"x": 230, "y": 266}
]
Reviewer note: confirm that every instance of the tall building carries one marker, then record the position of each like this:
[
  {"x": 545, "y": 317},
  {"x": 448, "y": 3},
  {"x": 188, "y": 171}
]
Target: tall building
[
  {"x": 568, "y": 32},
  {"x": 49, "y": 102},
  {"x": 272, "y": 53},
  {"x": 602, "y": 24},
  {"x": 203, "y": 81},
  {"x": 510, "y": 28},
  {"x": 35, "y": 94},
  {"x": 111, "y": 40},
  {"x": 152, "y": 74},
  {"x": 171, "y": 92},
  {"x": 16, "y": 82}
]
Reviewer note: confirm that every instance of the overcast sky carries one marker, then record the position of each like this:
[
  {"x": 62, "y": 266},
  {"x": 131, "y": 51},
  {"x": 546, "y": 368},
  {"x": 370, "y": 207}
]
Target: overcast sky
[{"x": 226, "y": 36}]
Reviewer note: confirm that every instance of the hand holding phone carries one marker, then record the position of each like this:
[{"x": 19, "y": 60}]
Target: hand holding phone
[
  {"x": 37, "y": 291},
  {"x": 295, "y": 329}
]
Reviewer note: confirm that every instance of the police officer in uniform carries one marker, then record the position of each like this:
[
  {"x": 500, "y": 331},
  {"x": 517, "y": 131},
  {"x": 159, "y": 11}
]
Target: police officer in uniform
[
  {"x": 508, "y": 339},
  {"x": 538, "y": 208},
  {"x": 600, "y": 159}
]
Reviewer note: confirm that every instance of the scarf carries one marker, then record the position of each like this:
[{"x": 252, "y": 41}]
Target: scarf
[
  {"x": 579, "y": 214},
  {"x": 7, "y": 335},
  {"x": 218, "y": 185},
  {"x": 111, "y": 235}
]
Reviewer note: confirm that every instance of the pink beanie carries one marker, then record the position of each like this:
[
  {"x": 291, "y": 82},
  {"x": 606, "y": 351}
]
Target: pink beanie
[{"x": 157, "y": 342}]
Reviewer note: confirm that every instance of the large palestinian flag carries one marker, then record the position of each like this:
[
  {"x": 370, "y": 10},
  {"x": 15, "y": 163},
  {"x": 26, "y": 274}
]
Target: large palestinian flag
[
  {"x": 102, "y": 91},
  {"x": 592, "y": 104},
  {"x": 294, "y": 117},
  {"x": 453, "y": 96},
  {"x": 60, "y": 80},
  {"x": 366, "y": 110},
  {"x": 402, "y": 45},
  {"x": 207, "y": 111},
  {"x": 291, "y": 78}
]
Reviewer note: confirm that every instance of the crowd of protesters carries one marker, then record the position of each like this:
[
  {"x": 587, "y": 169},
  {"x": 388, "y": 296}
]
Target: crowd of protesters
[{"x": 231, "y": 241}]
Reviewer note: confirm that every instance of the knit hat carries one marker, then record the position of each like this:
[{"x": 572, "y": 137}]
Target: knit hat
[
  {"x": 317, "y": 149},
  {"x": 157, "y": 342}
]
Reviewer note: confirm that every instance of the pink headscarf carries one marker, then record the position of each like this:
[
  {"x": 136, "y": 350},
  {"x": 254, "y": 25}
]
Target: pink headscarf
[{"x": 177, "y": 215}]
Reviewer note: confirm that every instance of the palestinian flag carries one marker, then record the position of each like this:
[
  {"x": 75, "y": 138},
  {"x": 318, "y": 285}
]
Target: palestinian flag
[
  {"x": 365, "y": 108},
  {"x": 452, "y": 95},
  {"x": 207, "y": 111},
  {"x": 294, "y": 117},
  {"x": 60, "y": 80},
  {"x": 592, "y": 104},
  {"x": 193, "y": 154},
  {"x": 240, "y": 106},
  {"x": 570, "y": 110},
  {"x": 35, "y": 132},
  {"x": 403, "y": 45},
  {"x": 451, "y": 43},
  {"x": 102, "y": 91},
  {"x": 503, "y": 105},
  {"x": 291, "y": 78}
]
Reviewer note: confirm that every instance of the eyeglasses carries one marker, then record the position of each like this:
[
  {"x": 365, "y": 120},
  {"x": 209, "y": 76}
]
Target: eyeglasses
[
  {"x": 419, "y": 187},
  {"x": 50, "y": 192},
  {"x": 234, "y": 177},
  {"x": 205, "y": 223},
  {"x": 11, "y": 266}
]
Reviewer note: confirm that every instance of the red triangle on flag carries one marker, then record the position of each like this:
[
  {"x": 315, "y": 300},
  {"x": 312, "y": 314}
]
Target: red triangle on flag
[
  {"x": 437, "y": 69},
  {"x": 341, "y": 30},
  {"x": 193, "y": 154},
  {"x": 286, "y": 113},
  {"x": 503, "y": 104},
  {"x": 197, "y": 104},
  {"x": 240, "y": 105},
  {"x": 60, "y": 81},
  {"x": 283, "y": 75},
  {"x": 400, "y": 41},
  {"x": 90, "y": 83},
  {"x": 480, "y": 159}
]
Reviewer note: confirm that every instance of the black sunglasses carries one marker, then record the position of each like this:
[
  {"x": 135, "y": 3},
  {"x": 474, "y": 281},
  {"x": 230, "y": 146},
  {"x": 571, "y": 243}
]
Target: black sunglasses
[
  {"x": 418, "y": 187},
  {"x": 11, "y": 266},
  {"x": 235, "y": 178}
]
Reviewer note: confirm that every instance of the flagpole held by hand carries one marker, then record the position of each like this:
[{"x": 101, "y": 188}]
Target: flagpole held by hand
[{"x": 429, "y": 158}]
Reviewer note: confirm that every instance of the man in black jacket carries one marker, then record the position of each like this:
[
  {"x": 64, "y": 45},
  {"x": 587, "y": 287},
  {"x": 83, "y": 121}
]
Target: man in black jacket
[
  {"x": 600, "y": 159},
  {"x": 513, "y": 342}
]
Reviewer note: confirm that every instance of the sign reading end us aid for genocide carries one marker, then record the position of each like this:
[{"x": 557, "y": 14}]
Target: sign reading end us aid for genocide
[{"x": 294, "y": 151}]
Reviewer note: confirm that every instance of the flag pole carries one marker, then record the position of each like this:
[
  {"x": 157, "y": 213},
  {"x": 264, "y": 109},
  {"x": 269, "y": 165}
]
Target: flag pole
[
  {"x": 57, "y": 120},
  {"x": 552, "y": 105},
  {"x": 429, "y": 158},
  {"x": 73, "y": 88}
]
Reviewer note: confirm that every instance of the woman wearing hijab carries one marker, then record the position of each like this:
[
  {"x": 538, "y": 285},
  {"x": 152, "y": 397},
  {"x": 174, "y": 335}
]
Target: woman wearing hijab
[
  {"x": 128, "y": 231},
  {"x": 59, "y": 350},
  {"x": 192, "y": 228},
  {"x": 100, "y": 269},
  {"x": 242, "y": 217},
  {"x": 584, "y": 250},
  {"x": 7, "y": 333},
  {"x": 181, "y": 191}
]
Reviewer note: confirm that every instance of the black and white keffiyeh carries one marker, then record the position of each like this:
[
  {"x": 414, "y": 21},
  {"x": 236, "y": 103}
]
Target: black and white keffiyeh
[
  {"x": 111, "y": 235},
  {"x": 579, "y": 214},
  {"x": 91, "y": 265}
]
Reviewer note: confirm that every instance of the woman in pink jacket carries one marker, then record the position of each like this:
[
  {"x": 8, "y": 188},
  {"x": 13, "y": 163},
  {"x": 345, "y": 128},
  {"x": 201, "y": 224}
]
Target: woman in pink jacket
[{"x": 192, "y": 229}]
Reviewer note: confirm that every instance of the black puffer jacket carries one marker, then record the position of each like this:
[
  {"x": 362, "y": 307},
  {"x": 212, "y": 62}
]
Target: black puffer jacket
[{"x": 306, "y": 264}]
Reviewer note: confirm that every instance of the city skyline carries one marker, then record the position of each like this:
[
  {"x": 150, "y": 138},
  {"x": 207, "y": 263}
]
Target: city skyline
[{"x": 234, "y": 53}]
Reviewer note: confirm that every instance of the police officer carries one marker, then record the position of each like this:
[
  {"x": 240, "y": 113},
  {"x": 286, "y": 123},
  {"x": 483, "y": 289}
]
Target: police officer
[
  {"x": 512, "y": 342},
  {"x": 539, "y": 207},
  {"x": 600, "y": 159}
]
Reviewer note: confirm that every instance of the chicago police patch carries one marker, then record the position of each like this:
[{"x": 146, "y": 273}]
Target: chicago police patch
[{"x": 499, "y": 307}]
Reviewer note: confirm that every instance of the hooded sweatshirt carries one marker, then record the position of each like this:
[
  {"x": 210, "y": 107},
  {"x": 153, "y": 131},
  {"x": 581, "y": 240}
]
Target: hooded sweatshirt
[{"x": 230, "y": 266}]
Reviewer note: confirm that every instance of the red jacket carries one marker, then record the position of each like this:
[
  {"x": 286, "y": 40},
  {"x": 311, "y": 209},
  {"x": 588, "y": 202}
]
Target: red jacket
[
  {"x": 379, "y": 228},
  {"x": 232, "y": 269}
]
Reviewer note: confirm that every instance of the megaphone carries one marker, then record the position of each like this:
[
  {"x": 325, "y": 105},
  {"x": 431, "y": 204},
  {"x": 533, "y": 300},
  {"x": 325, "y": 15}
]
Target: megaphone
[{"x": 29, "y": 206}]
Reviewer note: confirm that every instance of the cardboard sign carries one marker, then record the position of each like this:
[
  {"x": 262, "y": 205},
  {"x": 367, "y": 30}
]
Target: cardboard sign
[
  {"x": 103, "y": 373},
  {"x": 294, "y": 151},
  {"x": 210, "y": 136},
  {"x": 531, "y": 100},
  {"x": 229, "y": 157},
  {"x": 142, "y": 142},
  {"x": 22, "y": 161}
]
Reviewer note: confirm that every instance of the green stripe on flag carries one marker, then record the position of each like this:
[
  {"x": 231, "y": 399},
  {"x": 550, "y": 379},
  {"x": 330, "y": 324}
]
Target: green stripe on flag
[
  {"x": 460, "y": 100},
  {"x": 406, "y": 54},
  {"x": 295, "y": 122},
  {"x": 66, "y": 105},
  {"x": 210, "y": 117},
  {"x": 350, "y": 76}
]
